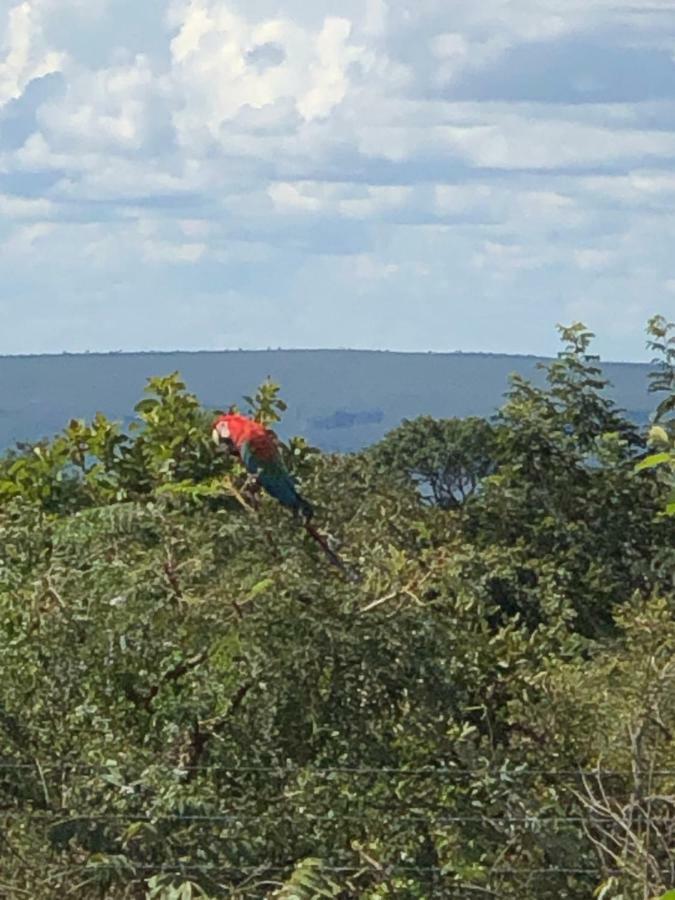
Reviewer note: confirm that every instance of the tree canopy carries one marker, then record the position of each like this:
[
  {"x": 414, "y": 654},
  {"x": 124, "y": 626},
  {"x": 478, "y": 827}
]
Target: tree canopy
[{"x": 194, "y": 704}]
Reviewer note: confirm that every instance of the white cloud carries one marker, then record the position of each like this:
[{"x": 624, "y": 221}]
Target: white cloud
[
  {"x": 21, "y": 208},
  {"x": 366, "y": 267},
  {"x": 23, "y": 241},
  {"x": 293, "y": 150},
  {"x": 23, "y": 55},
  {"x": 635, "y": 188},
  {"x": 289, "y": 197},
  {"x": 456, "y": 199},
  {"x": 328, "y": 75},
  {"x": 172, "y": 254},
  {"x": 590, "y": 259},
  {"x": 195, "y": 228},
  {"x": 375, "y": 201},
  {"x": 217, "y": 76},
  {"x": 521, "y": 143},
  {"x": 502, "y": 259},
  {"x": 110, "y": 109},
  {"x": 376, "y": 17}
]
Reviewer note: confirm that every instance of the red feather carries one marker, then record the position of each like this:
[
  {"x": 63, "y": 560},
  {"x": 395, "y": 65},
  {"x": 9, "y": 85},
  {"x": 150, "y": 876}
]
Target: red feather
[{"x": 243, "y": 430}]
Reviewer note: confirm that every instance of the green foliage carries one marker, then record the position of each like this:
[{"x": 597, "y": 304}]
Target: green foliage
[
  {"x": 266, "y": 405},
  {"x": 445, "y": 458},
  {"x": 308, "y": 882},
  {"x": 630, "y": 817},
  {"x": 662, "y": 343},
  {"x": 90, "y": 464},
  {"x": 174, "y": 443},
  {"x": 563, "y": 492},
  {"x": 663, "y": 461},
  {"x": 195, "y": 704},
  {"x": 662, "y": 436},
  {"x": 162, "y": 887}
]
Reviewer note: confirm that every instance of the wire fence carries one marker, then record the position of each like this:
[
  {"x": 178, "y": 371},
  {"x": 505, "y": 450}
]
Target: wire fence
[
  {"x": 422, "y": 815},
  {"x": 333, "y": 818},
  {"x": 432, "y": 771},
  {"x": 234, "y": 816},
  {"x": 230, "y": 871}
]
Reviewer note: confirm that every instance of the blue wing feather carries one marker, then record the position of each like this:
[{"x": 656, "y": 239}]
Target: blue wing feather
[{"x": 276, "y": 480}]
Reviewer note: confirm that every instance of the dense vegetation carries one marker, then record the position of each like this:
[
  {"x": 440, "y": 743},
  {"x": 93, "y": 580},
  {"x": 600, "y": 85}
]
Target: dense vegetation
[{"x": 194, "y": 703}]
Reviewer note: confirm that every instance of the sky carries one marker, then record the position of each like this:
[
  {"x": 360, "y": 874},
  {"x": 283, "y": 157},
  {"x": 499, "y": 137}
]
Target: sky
[{"x": 391, "y": 174}]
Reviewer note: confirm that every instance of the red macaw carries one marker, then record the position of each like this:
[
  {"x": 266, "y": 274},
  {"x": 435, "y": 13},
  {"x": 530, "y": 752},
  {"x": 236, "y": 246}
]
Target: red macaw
[{"x": 258, "y": 449}]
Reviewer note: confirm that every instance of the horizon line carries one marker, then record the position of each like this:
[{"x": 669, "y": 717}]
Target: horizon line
[{"x": 157, "y": 352}]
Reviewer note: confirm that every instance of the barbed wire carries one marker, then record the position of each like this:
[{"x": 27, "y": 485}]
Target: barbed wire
[
  {"x": 65, "y": 816},
  {"x": 383, "y": 868},
  {"x": 53, "y": 818},
  {"x": 350, "y": 770}
]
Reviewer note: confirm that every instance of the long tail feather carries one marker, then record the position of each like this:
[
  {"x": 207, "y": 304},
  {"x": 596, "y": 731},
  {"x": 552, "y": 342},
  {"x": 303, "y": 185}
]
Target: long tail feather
[
  {"x": 332, "y": 556},
  {"x": 306, "y": 510}
]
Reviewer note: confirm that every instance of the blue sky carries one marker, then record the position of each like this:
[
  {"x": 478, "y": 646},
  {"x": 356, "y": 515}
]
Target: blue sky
[{"x": 422, "y": 175}]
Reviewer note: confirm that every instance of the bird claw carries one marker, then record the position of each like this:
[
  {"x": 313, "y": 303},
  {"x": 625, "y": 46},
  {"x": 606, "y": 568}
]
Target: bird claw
[{"x": 251, "y": 490}]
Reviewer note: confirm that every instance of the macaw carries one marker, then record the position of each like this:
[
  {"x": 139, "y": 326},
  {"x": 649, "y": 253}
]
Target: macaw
[{"x": 258, "y": 449}]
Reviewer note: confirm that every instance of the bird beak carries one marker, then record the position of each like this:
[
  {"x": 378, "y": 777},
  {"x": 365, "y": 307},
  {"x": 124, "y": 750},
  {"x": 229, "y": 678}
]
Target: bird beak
[{"x": 221, "y": 438}]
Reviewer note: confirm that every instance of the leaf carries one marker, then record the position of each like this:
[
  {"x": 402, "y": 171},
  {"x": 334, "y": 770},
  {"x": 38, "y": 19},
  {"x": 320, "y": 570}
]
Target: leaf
[
  {"x": 146, "y": 405},
  {"x": 307, "y": 882},
  {"x": 132, "y": 831},
  {"x": 650, "y": 462},
  {"x": 658, "y": 435},
  {"x": 605, "y": 890},
  {"x": 261, "y": 587}
]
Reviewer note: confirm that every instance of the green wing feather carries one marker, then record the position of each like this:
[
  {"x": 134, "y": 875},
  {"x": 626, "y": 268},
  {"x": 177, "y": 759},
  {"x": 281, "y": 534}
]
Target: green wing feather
[{"x": 275, "y": 479}]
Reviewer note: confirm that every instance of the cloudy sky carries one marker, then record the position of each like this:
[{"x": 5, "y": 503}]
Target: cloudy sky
[{"x": 402, "y": 174}]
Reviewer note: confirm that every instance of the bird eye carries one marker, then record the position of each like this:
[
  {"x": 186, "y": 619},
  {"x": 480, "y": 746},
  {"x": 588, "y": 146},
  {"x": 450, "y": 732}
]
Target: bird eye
[{"x": 220, "y": 433}]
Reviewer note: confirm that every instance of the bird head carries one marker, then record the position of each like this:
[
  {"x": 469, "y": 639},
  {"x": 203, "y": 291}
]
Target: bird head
[{"x": 221, "y": 433}]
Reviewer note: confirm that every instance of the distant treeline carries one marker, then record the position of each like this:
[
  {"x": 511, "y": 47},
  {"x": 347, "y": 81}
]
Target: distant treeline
[{"x": 341, "y": 400}]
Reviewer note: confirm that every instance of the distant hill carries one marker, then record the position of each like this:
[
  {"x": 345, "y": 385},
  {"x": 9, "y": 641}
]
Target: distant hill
[{"x": 340, "y": 400}]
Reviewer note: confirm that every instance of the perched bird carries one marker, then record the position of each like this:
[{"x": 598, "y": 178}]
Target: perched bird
[{"x": 259, "y": 451}]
